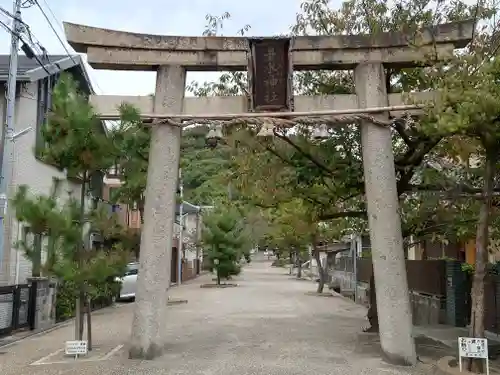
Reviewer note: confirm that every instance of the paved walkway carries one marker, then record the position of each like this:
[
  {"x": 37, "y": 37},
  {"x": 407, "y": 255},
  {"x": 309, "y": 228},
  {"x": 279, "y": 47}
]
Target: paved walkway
[{"x": 267, "y": 325}]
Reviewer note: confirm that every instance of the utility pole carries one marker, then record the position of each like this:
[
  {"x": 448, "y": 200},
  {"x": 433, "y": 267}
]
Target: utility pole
[
  {"x": 181, "y": 230},
  {"x": 9, "y": 122}
]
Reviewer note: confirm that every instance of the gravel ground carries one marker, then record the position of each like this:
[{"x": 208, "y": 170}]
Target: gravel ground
[{"x": 267, "y": 325}]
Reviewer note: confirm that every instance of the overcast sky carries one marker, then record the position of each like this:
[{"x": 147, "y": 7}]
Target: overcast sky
[{"x": 170, "y": 17}]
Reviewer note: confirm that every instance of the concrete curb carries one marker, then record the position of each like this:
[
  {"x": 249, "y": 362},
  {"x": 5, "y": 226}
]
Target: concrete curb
[
  {"x": 10, "y": 341},
  {"x": 35, "y": 333},
  {"x": 324, "y": 294},
  {"x": 176, "y": 302},
  {"x": 221, "y": 286},
  {"x": 57, "y": 326}
]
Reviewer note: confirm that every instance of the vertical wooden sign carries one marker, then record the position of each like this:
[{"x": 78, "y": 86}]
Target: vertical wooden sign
[{"x": 270, "y": 75}]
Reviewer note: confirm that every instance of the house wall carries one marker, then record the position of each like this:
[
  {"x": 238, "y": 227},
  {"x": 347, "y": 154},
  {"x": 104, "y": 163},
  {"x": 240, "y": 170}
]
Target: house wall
[
  {"x": 128, "y": 216},
  {"x": 26, "y": 170}
]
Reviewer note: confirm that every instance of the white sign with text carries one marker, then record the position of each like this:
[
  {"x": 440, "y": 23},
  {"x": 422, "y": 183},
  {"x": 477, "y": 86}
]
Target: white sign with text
[
  {"x": 76, "y": 348},
  {"x": 471, "y": 347}
]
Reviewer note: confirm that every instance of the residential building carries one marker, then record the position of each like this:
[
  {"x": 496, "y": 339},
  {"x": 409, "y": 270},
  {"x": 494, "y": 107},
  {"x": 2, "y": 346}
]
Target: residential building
[
  {"x": 191, "y": 234},
  {"x": 33, "y": 98},
  {"x": 129, "y": 215}
]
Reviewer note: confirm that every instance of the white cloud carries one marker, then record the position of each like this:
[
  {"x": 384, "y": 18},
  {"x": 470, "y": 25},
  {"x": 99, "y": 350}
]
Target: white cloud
[{"x": 155, "y": 17}]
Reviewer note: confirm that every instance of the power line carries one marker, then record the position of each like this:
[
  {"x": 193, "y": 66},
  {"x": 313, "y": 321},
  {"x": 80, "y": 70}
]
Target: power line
[
  {"x": 54, "y": 30},
  {"x": 5, "y": 26},
  {"x": 56, "y": 33},
  {"x": 35, "y": 43}
]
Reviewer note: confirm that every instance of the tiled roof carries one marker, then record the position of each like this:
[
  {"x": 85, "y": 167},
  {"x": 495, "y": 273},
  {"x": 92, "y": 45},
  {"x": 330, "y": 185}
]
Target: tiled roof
[{"x": 24, "y": 64}]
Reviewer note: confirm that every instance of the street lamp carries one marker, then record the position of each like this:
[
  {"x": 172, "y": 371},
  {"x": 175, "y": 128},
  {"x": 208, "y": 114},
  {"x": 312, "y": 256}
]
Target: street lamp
[{"x": 20, "y": 133}]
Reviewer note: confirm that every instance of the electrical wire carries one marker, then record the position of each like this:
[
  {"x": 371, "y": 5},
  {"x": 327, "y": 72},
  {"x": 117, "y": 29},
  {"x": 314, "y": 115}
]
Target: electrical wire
[
  {"x": 5, "y": 26},
  {"x": 29, "y": 4},
  {"x": 54, "y": 30},
  {"x": 35, "y": 43},
  {"x": 49, "y": 9}
]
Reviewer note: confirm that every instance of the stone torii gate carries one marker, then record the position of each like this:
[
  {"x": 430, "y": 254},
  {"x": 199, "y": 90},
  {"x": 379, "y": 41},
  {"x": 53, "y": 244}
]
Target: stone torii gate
[{"x": 270, "y": 63}]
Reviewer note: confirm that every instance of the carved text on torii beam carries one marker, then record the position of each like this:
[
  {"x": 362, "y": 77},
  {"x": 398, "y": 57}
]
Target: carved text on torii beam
[{"x": 271, "y": 74}]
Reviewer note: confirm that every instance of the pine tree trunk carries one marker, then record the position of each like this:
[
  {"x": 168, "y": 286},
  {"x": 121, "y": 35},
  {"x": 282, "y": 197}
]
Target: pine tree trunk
[
  {"x": 51, "y": 252},
  {"x": 299, "y": 267},
  {"x": 37, "y": 255},
  {"x": 78, "y": 318},
  {"x": 89, "y": 324},
  {"x": 81, "y": 302},
  {"x": 79, "y": 257},
  {"x": 482, "y": 240}
]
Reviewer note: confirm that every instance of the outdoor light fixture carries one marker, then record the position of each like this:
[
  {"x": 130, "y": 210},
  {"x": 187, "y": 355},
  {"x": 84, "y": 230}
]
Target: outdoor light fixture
[
  {"x": 320, "y": 132},
  {"x": 214, "y": 136},
  {"x": 20, "y": 133},
  {"x": 267, "y": 130}
]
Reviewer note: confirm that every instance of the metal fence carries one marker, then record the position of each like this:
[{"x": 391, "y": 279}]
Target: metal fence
[
  {"x": 17, "y": 305},
  {"x": 344, "y": 271}
]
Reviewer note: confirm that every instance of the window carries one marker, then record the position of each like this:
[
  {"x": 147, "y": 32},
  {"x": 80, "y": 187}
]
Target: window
[
  {"x": 114, "y": 171},
  {"x": 44, "y": 104}
]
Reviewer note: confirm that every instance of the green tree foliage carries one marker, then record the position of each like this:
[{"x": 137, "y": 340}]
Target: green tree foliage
[
  {"x": 131, "y": 153},
  {"x": 441, "y": 191},
  {"x": 58, "y": 236},
  {"x": 469, "y": 109},
  {"x": 203, "y": 169},
  {"x": 224, "y": 242},
  {"x": 74, "y": 141},
  {"x": 38, "y": 213},
  {"x": 328, "y": 174}
]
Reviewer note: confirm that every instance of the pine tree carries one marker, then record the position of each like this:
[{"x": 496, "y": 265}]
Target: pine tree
[
  {"x": 75, "y": 141},
  {"x": 131, "y": 153},
  {"x": 225, "y": 242}
]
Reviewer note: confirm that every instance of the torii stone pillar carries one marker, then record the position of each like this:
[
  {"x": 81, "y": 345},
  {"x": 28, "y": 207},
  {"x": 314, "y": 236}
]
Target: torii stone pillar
[
  {"x": 153, "y": 281},
  {"x": 393, "y": 303}
]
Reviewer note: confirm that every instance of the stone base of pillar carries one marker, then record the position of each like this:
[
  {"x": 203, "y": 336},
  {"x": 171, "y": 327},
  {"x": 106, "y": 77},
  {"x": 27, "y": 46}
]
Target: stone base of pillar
[{"x": 148, "y": 353}]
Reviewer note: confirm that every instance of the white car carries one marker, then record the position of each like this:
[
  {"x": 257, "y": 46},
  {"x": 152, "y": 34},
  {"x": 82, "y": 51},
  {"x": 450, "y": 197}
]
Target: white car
[{"x": 129, "y": 282}]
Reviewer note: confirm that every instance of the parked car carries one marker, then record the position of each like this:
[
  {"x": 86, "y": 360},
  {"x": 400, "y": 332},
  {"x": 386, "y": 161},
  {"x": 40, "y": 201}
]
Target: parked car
[{"x": 129, "y": 282}]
